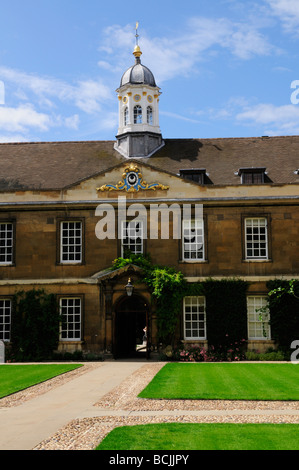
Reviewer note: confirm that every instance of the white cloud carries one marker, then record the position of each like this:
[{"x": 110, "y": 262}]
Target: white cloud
[
  {"x": 276, "y": 120},
  {"x": 116, "y": 37},
  {"x": 105, "y": 65},
  {"x": 109, "y": 121},
  {"x": 72, "y": 122},
  {"x": 243, "y": 40},
  {"x": 178, "y": 116},
  {"x": 87, "y": 95},
  {"x": 287, "y": 11},
  {"x": 180, "y": 54},
  {"x": 229, "y": 109},
  {"x": 35, "y": 103},
  {"x": 10, "y": 138},
  {"x": 268, "y": 118},
  {"x": 23, "y": 117},
  {"x": 282, "y": 69}
]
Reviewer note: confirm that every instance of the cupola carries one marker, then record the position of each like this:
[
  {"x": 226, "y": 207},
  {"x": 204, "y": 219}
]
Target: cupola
[{"x": 138, "y": 133}]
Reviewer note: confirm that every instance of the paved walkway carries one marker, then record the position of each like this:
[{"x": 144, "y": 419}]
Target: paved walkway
[{"x": 25, "y": 426}]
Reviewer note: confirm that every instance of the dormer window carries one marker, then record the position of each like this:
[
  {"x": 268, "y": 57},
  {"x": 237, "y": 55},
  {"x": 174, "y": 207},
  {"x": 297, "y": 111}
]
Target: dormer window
[
  {"x": 252, "y": 175},
  {"x": 194, "y": 174}
]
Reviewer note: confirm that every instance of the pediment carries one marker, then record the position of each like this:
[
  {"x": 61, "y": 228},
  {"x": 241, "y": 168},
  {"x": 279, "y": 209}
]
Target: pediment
[
  {"x": 110, "y": 274},
  {"x": 134, "y": 179}
]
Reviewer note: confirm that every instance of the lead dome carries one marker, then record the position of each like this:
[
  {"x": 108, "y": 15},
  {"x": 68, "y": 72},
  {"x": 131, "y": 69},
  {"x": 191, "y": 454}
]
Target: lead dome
[{"x": 138, "y": 74}]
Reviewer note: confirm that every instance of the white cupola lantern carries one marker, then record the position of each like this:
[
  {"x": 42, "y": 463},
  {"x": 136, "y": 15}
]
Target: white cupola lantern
[{"x": 138, "y": 133}]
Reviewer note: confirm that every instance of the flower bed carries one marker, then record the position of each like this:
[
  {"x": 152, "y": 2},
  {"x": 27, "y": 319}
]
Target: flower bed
[{"x": 232, "y": 351}]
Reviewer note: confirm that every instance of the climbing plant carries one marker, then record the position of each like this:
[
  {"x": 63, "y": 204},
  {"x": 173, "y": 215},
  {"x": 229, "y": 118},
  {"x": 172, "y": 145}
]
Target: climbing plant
[
  {"x": 227, "y": 312},
  {"x": 283, "y": 304},
  {"x": 225, "y": 301},
  {"x": 34, "y": 325},
  {"x": 167, "y": 287},
  {"x": 226, "y": 307}
]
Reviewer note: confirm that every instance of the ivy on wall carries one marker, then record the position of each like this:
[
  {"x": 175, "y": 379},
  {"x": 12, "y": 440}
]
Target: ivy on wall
[
  {"x": 36, "y": 318},
  {"x": 283, "y": 304},
  {"x": 227, "y": 311},
  {"x": 167, "y": 287},
  {"x": 225, "y": 301},
  {"x": 226, "y": 306},
  {"x": 34, "y": 325}
]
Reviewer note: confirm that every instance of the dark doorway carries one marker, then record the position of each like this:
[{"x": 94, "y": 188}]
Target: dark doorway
[{"x": 131, "y": 318}]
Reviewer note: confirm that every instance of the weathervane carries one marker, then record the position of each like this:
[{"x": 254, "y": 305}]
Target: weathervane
[{"x": 137, "y": 35}]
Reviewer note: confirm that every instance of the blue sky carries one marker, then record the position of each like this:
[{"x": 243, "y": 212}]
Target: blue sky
[{"x": 225, "y": 67}]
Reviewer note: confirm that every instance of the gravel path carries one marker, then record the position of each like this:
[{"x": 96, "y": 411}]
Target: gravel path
[
  {"x": 122, "y": 407},
  {"x": 86, "y": 433}
]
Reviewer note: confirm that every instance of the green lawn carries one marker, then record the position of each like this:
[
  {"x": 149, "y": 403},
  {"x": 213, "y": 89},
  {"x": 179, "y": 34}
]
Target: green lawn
[
  {"x": 225, "y": 381},
  {"x": 14, "y": 378},
  {"x": 203, "y": 436}
]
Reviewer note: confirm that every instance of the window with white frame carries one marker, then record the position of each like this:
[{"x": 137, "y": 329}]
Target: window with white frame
[
  {"x": 258, "y": 317},
  {"x": 149, "y": 115},
  {"x": 6, "y": 243},
  {"x": 193, "y": 240},
  {"x": 71, "y": 242},
  {"x": 71, "y": 312},
  {"x": 132, "y": 237},
  {"x": 194, "y": 317},
  {"x": 137, "y": 114},
  {"x": 256, "y": 238},
  {"x": 5, "y": 319},
  {"x": 126, "y": 116}
]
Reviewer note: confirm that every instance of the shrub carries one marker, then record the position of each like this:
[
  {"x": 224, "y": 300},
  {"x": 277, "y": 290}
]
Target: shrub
[
  {"x": 195, "y": 353},
  {"x": 34, "y": 326},
  {"x": 226, "y": 312},
  {"x": 266, "y": 356},
  {"x": 283, "y": 303}
]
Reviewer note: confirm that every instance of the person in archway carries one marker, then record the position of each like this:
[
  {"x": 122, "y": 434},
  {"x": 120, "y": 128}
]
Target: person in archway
[{"x": 144, "y": 334}]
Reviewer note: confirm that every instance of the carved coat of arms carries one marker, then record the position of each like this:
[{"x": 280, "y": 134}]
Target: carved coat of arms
[{"x": 132, "y": 181}]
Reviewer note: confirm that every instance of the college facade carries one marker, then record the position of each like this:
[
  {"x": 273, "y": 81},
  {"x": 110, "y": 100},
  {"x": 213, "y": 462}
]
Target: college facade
[{"x": 55, "y": 198}]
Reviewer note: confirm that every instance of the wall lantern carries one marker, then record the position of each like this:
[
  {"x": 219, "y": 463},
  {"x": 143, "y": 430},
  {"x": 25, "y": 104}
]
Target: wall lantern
[{"x": 129, "y": 287}]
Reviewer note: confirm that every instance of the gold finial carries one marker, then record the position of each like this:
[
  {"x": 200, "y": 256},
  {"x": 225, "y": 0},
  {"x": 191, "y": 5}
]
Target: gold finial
[{"x": 137, "y": 51}]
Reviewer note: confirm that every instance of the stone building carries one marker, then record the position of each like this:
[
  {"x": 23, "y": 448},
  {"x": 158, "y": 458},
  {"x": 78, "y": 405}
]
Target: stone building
[{"x": 54, "y": 195}]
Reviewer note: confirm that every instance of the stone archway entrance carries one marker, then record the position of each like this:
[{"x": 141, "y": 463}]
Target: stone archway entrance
[{"x": 131, "y": 317}]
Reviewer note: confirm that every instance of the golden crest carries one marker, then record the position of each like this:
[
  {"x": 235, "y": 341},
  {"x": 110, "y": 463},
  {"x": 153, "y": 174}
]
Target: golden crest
[{"x": 132, "y": 181}]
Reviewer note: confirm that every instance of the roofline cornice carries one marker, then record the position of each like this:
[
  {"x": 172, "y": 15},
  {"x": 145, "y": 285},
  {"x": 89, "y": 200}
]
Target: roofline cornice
[{"x": 274, "y": 200}]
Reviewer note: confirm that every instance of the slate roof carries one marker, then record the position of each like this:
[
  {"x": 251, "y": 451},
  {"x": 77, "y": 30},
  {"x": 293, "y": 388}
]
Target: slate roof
[{"x": 57, "y": 165}]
